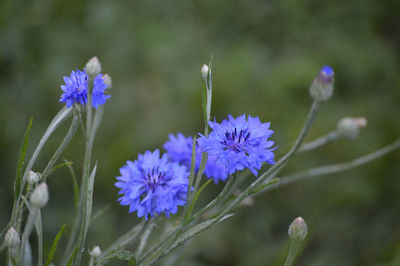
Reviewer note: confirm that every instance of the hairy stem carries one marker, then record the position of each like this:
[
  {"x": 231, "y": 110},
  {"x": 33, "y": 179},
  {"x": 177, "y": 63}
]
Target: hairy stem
[
  {"x": 294, "y": 246},
  {"x": 335, "y": 168}
]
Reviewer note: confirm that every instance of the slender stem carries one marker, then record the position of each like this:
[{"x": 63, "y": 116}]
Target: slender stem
[
  {"x": 27, "y": 231},
  {"x": 91, "y": 261},
  {"x": 251, "y": 189},
  {"x": 54, "y": 124},
  {"x": 85, "y": 175},
  {"x": 294, "y": 247},
  {"x": 170, "y": 237},
  {"x": 225, "y": 191},
  {"x": 122, "y": 241},
  {"x": 68, "y": 137},
  {"x": 331, "y": 136},
  {"x": 202, "y": 167},
  {"x": 145, "y": 236},
  {"x": 329, "y": 169}
]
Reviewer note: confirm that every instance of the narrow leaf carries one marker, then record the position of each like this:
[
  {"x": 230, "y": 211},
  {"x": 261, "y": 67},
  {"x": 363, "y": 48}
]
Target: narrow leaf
[
  {"x": 90, "y": 196},
  {"x": 195, "y": 198},
  {"x": 99, "y": 213},
  {"x": 54, "y": 245},
  {"x": 21, "y": 160},
  {"x": 74, "y": 183},
  {"x": 39, "y": 231},
  {"x": 59, "y": 166},
  {"x": 262, "y": 186},
  {"x": 196, "y": 230},
  {"x": 121, "y": 254},
  {"x": 71, "y": 259}
]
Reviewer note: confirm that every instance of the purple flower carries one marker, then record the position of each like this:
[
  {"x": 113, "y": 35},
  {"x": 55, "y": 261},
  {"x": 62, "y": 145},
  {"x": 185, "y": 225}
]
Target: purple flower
[
  {"x": 152, "y": 185},
  {"x": 179, "y": 149},
  {"x": 239, "y": 143},
  {"x": 75, "y": 89}
]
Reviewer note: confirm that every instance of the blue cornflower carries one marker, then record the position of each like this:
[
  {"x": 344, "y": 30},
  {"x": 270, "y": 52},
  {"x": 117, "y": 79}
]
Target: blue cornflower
[
  {"x": 179, "y": 149},
  {"x": 75, "y": 89},
  {"x": 152, "y": 185},
  {"x": 238, "y": 143}
]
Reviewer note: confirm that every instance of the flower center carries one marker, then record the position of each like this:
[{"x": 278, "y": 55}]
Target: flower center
[
  {"x": 235, "y": 141},
  {"x": 154, "y": 177}
]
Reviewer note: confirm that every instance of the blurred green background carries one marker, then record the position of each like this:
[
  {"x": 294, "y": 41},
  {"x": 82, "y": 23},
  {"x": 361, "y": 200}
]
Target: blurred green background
[{"x": 266, "y": 54}]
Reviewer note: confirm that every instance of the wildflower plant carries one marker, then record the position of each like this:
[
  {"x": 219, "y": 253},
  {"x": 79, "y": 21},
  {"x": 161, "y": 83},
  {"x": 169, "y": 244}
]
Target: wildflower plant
[{"x": 156, "y": 186}]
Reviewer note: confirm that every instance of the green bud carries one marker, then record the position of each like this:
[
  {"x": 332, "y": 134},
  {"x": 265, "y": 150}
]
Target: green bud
[
  {"x": 298, "y": 229},
  {"x": 322, "y": 87},
  {"x": 12, "y": 238},
  {"x": 349, "y": 127},
  {"x": 40, "y": 196},
  {"x": 93, "y": 67}
]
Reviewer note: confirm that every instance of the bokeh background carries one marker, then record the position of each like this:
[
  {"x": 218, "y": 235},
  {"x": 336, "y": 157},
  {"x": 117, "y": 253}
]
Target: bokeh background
[{"x": 266, "y": 54}]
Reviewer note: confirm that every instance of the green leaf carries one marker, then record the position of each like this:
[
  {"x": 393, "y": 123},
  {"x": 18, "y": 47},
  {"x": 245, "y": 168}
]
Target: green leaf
[
  {"x": 99, "y": 213},
  {"x": 262, "y": 186},
  {"x": 193, "y": 164},
  {"x": 21, "y": 160},
  {"x": 195, "y": 231},
  {"x": 195, "y": 198},
  {"x": 54, "y": 245},
  {"x": 59, "y": 166},
  {"x": 74, "y": 183},
  {"x": 71, "y": 259},
  {"x": 123, "y": 255}
]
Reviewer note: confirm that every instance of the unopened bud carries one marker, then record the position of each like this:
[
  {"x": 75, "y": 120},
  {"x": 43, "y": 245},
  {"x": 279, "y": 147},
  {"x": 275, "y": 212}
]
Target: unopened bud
[
  {"x": 204, "y": 71},
  {"x": 93, "y": 67},
  {"x": 107, "y": 81},
  {"x": 349, "y": 127},
  {"x": 40, "y": 196},
  {"x": 33, "y": 178},
  {"x": 298, "y": 229},
  {"x": 322, "y": 87},
  {"x": 95, "y": 252},
  {"x": 12, "y": 238}
]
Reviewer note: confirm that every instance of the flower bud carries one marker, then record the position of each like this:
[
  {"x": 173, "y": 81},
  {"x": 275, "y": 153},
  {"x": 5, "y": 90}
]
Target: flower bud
[
  {"x": 298, "y": 229},
  {"x": 40, "y": 196},
  {"x": 33, "y": 178},
  {"x": 95, "y": 252},
  {"x": 204, "y": 71},
  {"x": 349, "y": 127},
  {"x": 322, "y": 87},
  {"x": 107, "y": 81},
  {"x": 93, "y": 67},
  {"x": 12, "y": 238}
]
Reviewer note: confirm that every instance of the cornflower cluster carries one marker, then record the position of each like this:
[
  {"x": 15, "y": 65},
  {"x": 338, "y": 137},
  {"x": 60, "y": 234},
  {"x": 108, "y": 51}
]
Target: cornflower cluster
[{"x": 235, "y": 144}]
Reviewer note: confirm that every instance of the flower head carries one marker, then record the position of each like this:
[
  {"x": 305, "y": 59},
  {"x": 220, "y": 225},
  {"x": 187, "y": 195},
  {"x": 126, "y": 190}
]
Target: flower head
[
  {"x": 239, "y": 143},
  {"x": 298, "y": 229},
  {"x": 152, "y": 185},
  {"x": 40, "y": 196},
  {"x": 179, "y": 149},
  {"x": 322, "y": 86},
  {"x": 75, "y": 89}
]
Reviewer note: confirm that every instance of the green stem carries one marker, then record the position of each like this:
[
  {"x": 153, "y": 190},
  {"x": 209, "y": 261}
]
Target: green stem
[
  {"x": 122, "y": 241},
  {"x": 252, "y": 188},
  {"x": 294, "y": 247},
  {"x": 68, "y": 137},
  {"x": 331, "y": 136},
  {"x": 335, "y": 168},
  {"x": 84, "y": 195},
  {"x": 54, "y": 124}
]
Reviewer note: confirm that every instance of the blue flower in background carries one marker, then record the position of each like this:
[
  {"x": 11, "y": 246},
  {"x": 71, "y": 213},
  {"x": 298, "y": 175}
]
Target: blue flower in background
[
  {"x": 179, "y": 149},
  {"x": 239, "y": 143},
  {"x": 152, "y": 185},
  {"x": 75, "y": 89}
]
